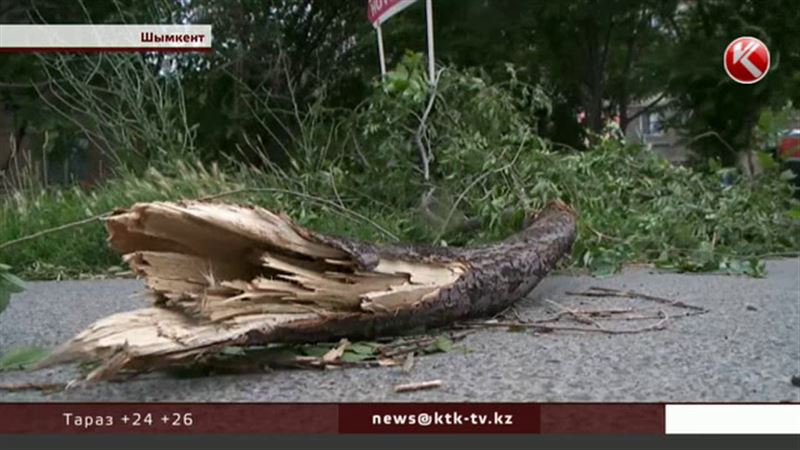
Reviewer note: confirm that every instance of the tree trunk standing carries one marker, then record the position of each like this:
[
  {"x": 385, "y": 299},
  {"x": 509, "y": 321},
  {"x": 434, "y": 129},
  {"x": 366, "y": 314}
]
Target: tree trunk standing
[
  {"x": 226, "y": 275},
  {"x": 597, "y": 48},
  {"x": 624, "y": 96}
]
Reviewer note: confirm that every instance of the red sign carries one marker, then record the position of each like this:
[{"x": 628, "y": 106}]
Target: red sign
[
  {"x": 380, "y": 11},
  {"x": 746, "y": 60}
]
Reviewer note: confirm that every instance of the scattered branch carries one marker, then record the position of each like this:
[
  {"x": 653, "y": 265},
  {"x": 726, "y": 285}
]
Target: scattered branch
[
  {"x": 577, "y": 315},
  {"x": 66, "y": 226},
  {"x": 596, "y": 291},
  {"x": 542, "y": 328},
  {"x": 43, "y": 387}
]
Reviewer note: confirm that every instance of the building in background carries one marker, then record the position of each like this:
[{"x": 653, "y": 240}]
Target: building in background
[{"x": 650, "y": 129}]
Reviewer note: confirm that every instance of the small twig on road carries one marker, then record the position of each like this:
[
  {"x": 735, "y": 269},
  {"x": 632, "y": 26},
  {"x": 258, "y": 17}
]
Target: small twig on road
[
  {"x": 43, "y": 387},
  {"x": 511, "y": 309},
  {"x": 595, "y": 291},
  {"x": 404, "y": 347},
  {"x": 552, "y": 328},
  {"x": 410, "y": 387},
  {"x": 579, "y": 316},
  {"x": 652, "y": 317}
]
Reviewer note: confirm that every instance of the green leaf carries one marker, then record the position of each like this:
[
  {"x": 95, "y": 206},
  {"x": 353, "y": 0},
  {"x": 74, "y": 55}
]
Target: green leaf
[
  {"x": 603, "y": 269},
  {"x": 442, "y": 344},
  {"x": 362, "y": 348},
  {"x": 317, "y": 351},
  {"x": 787, "y": 175},
  {"x": 22, "y": 357},
  {"x": 233, "y": 351},
  {"x": 16, "y": 283},
  {"x": 354, "y": 357},
  {"x": 766, "y": 161},
  {"x": 275, "y": 355}
]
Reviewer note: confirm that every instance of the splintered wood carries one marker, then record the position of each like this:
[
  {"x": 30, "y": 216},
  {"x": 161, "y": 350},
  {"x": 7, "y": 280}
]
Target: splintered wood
[
  {"x": 244, "y": 261},
  {"x": 224, "y": 275}
]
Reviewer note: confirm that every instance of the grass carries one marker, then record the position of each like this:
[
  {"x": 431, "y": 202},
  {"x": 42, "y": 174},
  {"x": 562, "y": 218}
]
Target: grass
[
  {"x": 674, "y": 217},
  {"x": 82, "y": 249}
]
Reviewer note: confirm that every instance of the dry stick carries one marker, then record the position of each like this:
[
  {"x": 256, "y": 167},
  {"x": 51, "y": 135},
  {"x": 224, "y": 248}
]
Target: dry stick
[
  {"x": 608, "y": 292},
  {"x": 393, "y": 350},
  {"x": 410, "y": 387},
  {"x": 651, "y": 317},
  {"x": 44, "y": 387},
  {"x": 576, "y": 314},
  {"x": 66, "y": 226},
  {"x": 608, "y": 314},
  {"x": 604, "y": 313},
  {"x": 550, "y": 328}
]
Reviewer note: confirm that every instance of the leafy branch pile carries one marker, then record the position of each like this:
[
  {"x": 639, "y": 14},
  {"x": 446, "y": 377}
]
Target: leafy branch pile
[
  {"x": 362, "y": 173},
  {"x": 490, "y": 167}
]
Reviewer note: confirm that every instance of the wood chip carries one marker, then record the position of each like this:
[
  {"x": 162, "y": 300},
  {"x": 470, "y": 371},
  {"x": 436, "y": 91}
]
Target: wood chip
[
  {"x": 408, "y": 364},
  {"x": 411, "y": 387},
  {"x": 336, "y": 353}
]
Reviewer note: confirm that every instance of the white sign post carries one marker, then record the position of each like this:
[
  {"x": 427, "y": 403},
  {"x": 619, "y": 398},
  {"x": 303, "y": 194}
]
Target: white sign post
[
  {"x": 431, "y": 63},
  {"x": 381, "y": 55},
  {"x": 379, "y": 11}
]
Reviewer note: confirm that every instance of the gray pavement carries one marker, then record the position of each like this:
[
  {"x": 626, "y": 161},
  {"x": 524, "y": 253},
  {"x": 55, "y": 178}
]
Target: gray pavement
[{"x": 745, "y": 349}]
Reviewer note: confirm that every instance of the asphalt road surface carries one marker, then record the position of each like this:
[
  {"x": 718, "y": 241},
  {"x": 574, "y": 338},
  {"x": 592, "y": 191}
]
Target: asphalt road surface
[{"x": 746, "y": 348}]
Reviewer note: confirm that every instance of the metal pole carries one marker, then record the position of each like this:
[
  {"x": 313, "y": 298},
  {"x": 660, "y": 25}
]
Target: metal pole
[
  {"x": 431, "y": 60},
  {"x": 380, "y": 51}
]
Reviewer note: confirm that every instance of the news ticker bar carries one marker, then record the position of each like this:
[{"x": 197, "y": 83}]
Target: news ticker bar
[
  {"x": 393, "y": 418},
  {"x": 151, "y": 38}
]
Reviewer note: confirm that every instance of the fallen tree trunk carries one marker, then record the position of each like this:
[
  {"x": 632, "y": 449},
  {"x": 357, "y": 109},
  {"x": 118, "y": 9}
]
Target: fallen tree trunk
[{"x": 227, "y": 275}]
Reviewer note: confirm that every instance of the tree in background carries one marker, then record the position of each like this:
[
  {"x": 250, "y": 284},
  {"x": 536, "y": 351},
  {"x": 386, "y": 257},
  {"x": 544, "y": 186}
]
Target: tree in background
[
  {"x": 271, "y": 60},
  {"x": 595, "y": 56},
  {"x": 718, "y": 115},
  {"x": 274, "y": 59}
]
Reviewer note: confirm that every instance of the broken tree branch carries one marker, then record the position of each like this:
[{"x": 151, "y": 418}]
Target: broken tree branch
[{"x": 228, "y": 275}]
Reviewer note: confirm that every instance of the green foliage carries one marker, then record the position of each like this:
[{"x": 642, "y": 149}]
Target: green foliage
[
  {"x": 22, "y": 357},
  {"x": 359, "y": 174},
  {"x": 488, "y": 161},
  {"x": 125, "y": 104},
  {"x": 9, "y": 284}
]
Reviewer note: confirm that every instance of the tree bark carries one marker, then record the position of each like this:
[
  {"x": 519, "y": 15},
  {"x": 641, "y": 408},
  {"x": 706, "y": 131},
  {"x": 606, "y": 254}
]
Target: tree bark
[{"x": 227, "y": 275}]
